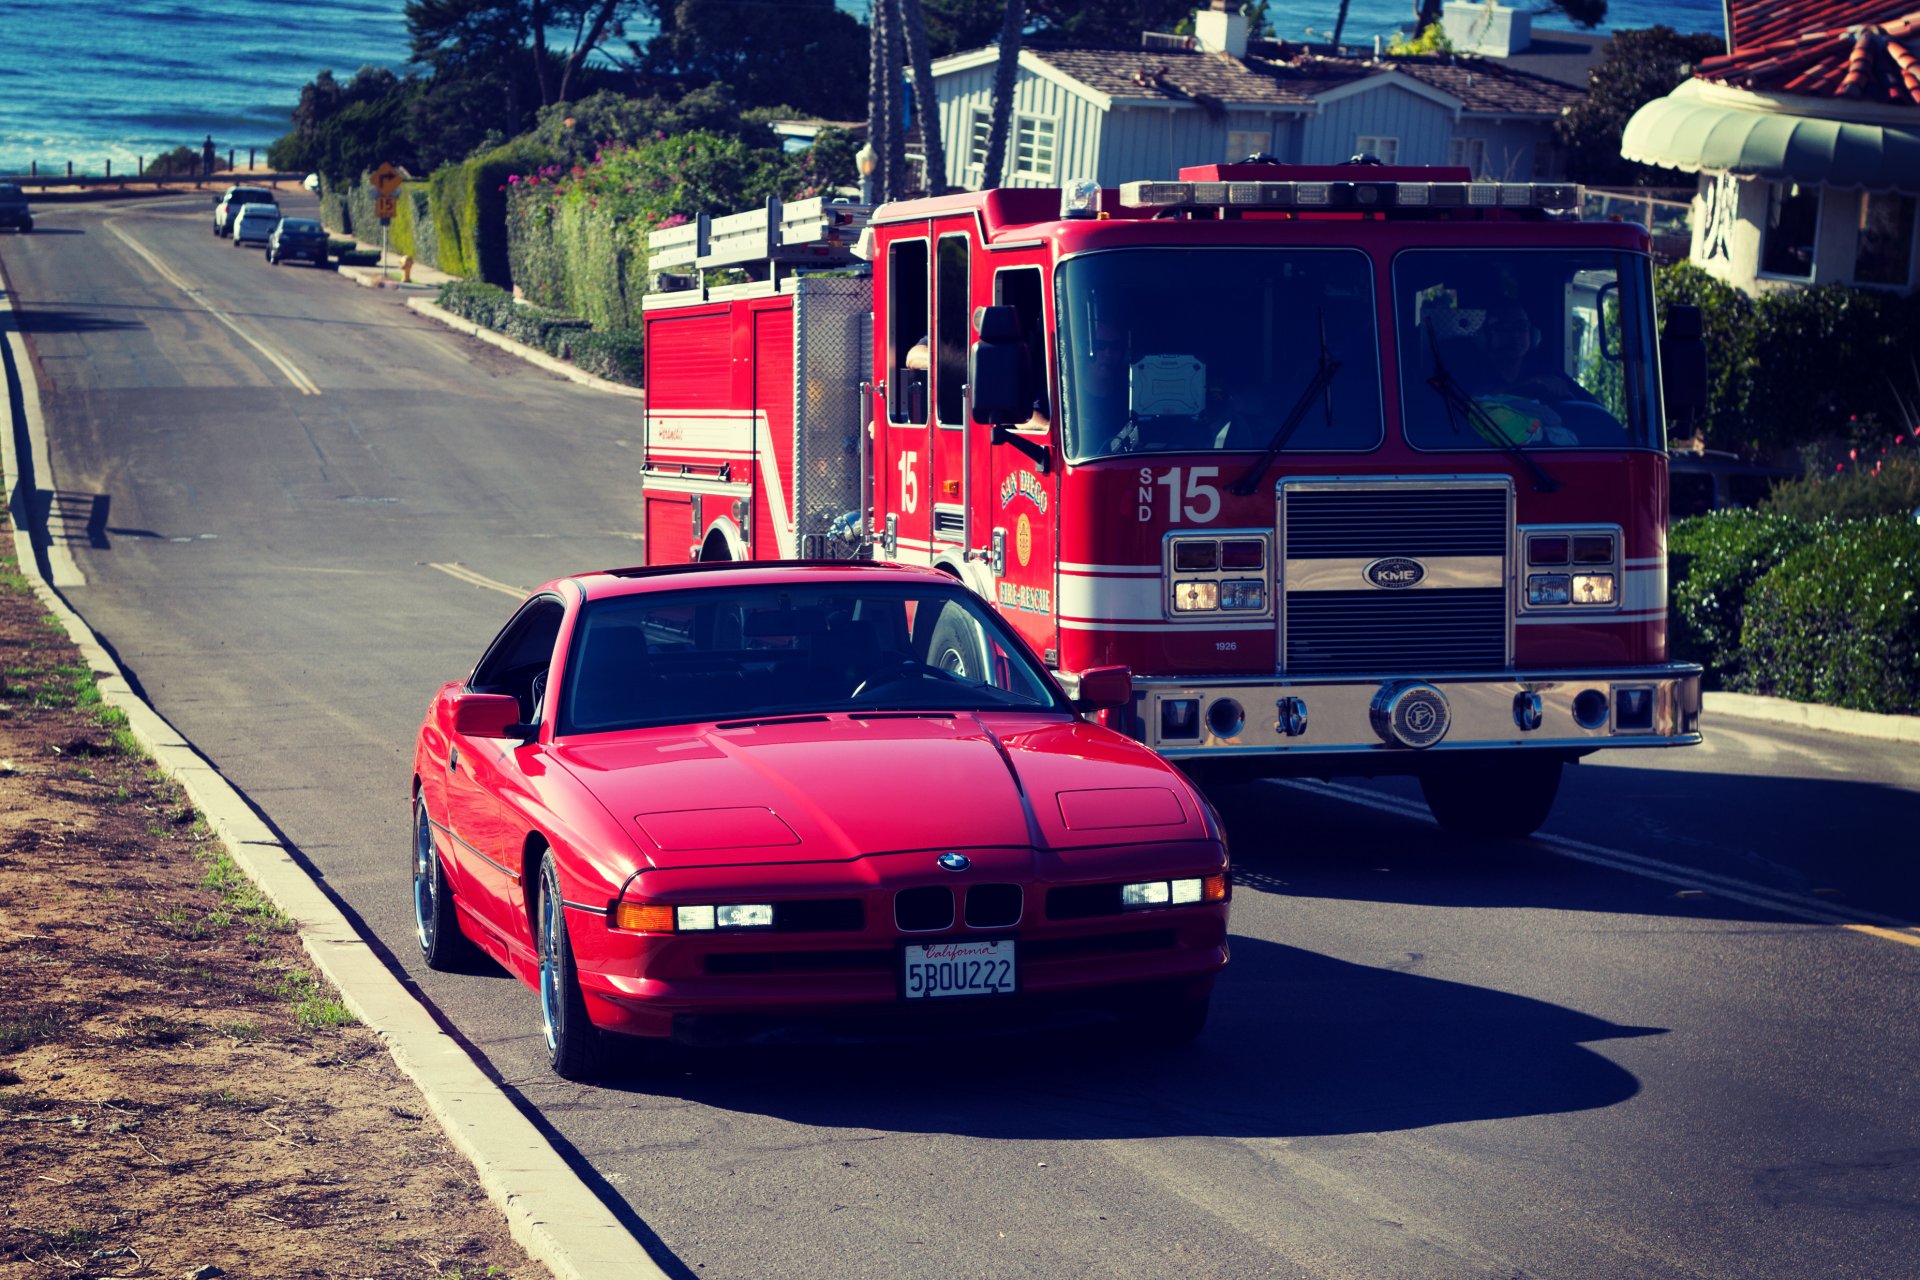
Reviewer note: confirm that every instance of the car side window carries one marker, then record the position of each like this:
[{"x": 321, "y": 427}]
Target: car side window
[{"x": 516, "y": 662}]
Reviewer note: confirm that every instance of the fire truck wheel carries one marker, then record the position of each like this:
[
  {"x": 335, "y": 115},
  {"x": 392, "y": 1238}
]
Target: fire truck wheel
[
  {"x": 1496, "y": 796},
  {"x": 956, "y": 646}
]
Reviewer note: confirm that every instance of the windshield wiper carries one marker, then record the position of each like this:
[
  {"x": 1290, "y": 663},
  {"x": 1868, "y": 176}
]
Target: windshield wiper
[
  {"x": 1322, "y": 381},
  {"x": 1458, "y": 402}
]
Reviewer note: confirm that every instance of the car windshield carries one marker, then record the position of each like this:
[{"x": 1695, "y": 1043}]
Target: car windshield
[
  {"x": 1181, "y": 350},
  {"x": 769, "y": 650},
  {"x": 1546, "y": 349},
  {"x": 301, "y": 225}
]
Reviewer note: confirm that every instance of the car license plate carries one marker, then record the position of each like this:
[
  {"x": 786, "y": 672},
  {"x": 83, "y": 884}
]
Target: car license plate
[{"x": 936, "y": 969}]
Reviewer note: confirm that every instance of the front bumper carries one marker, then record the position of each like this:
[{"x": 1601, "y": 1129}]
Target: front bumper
[{"x": 1572, "y": 711}]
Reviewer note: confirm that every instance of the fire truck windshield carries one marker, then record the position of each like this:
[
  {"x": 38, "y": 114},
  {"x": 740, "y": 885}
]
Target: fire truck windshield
[
  {"x": 1208, "y": 350},
  {"x": 1543, "y": 349}
]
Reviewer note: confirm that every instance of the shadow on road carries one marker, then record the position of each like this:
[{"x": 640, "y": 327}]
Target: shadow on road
[
  {"x": 1842, "y": 845},
  {"x": 38, "y": 320},
  {"x": 1359, "y": 1050}
]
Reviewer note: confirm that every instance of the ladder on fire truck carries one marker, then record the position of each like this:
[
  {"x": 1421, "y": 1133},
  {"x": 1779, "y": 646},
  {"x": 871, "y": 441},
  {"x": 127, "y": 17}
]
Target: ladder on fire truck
[{"x": 780, "y": 239}]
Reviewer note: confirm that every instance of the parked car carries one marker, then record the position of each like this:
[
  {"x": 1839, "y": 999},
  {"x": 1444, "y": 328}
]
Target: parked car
[
  {"x": 14, "y": 211},
  {"x": 1708, "y": 481},
  {"x": 235, "y": 198},
  {"x": 720, "y": 803},
  {"x": 255, "y": 224},
  {"x": 298, "y": 238}
]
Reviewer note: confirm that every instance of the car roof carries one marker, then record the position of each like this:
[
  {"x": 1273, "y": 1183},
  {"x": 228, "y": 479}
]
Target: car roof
[
  {"x": 246, "y": 209},
  {"x": 640, "y": 580}
]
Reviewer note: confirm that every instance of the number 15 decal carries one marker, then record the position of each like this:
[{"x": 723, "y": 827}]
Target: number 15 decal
[
  {"x": 909, "y": 483},
  {"x": 1202, "y": 499}
]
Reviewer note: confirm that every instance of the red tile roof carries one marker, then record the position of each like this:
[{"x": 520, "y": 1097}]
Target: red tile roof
[{"x": 1865, "y": 50}]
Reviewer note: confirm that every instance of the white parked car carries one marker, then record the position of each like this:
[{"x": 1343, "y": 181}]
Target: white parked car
[
  {"x": 255, "y": 223},
  {"x": 227, "y": 207}
]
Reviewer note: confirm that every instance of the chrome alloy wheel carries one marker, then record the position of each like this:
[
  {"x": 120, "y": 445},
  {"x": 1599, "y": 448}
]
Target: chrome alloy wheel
[
  {"x": 426, "y": 909},
  {"x": 550, "y": 969}
]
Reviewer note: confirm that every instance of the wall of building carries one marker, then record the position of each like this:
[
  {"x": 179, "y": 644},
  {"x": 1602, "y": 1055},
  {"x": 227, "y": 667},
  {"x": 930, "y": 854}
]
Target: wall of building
[
  {"x": 1422, "y": 126},
  {"x": 1515, "y": 150},
  {"x": 1077, "y": 125},
  {"x": 1729, "y": 236}
]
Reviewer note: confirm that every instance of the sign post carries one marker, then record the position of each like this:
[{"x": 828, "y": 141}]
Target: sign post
[{"x": 386, "y": 180}]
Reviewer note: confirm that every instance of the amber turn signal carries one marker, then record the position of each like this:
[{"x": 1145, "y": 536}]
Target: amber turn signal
[
  {"x": 1214, "y": 889},
  {"x": 643, "y": 917}
]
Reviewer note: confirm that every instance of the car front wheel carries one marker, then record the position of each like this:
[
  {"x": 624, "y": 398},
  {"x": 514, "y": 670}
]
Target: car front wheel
[{"x": 574, "y": 1045}]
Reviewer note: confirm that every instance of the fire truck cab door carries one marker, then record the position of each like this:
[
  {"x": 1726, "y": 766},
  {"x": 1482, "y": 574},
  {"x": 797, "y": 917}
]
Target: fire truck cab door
[
  {"x": 950, "y": 475},
  {"x": 1019, "y": 497},
  {"x": 904, "y": 476}
]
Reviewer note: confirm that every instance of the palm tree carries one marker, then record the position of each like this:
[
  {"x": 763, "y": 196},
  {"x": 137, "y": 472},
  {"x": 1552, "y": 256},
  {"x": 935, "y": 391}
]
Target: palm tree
[
  {"x": 1340, "y": 23},
  {"x": 926, "y": 99},
  {"x": 1004, "y": 73},
  {"x": 879, "y": 124}
]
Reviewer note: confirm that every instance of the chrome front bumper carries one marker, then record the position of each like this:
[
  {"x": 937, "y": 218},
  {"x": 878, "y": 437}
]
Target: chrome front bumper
[{"x": 1571, "y": 711}]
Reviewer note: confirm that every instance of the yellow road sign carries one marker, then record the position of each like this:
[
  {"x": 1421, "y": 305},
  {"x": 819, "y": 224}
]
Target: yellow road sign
[
  {"x": 387, "y": 179},
  {"x": 385, "y": 207}
]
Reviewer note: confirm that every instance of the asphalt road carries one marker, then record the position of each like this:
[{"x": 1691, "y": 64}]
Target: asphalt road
[{"x": 1664, "y": 1040}]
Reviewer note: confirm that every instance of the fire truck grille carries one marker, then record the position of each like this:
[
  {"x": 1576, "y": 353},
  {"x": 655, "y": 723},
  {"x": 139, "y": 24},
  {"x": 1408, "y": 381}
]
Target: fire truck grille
[
  {"x": 1402, "y": 521},
  {"x": 1379, "y": 631}
]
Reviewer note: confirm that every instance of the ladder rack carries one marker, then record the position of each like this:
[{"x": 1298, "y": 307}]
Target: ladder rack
[{"x": 805, "y": 233}]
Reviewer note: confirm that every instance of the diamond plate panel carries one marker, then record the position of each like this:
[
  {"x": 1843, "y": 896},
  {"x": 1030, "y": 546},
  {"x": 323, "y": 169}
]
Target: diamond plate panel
[{"x": 830, "y": 315}]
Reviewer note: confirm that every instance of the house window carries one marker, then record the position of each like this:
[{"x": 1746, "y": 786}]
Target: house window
[
  {"x": 1884, "y": 254},
  {"x": 979, "y": 133},
  {"x": 1034, "y": 142},
  {"x": 1793, "y": 224},
  {"x": 1242, "y": 143},
  {"x": 1385, "y": 150},
  {"x": 1470, "y": 153}
]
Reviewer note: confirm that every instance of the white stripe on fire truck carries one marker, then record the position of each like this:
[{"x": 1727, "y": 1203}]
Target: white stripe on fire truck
[
  {"x": 713, "y": 430},
  {"x": 1110, "y": 570},
  {"x": 1129, "y": 599},
  {"x": 1211, "y": 628}
]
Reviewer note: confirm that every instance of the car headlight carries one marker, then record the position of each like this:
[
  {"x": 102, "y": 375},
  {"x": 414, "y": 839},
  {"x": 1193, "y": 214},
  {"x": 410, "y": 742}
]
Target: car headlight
[
  {"x": 660, "y": 917},
  {"x": 1174, "y": 893}
]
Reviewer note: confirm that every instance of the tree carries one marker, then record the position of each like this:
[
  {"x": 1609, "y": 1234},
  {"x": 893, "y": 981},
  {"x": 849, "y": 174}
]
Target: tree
[
  {"x": 517, "y": 43},
  {"x": 1585, "y": 13},
  {"x": 1005, "y": 72},
  {"x": 800, "y": 53},
  {"x": 926, "y": 99},
  {"x": 1639, "y": 67}
]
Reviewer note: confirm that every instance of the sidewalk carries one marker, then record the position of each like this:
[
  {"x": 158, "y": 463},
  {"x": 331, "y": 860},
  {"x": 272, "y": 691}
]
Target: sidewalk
[{"x": 426, "y": 279}]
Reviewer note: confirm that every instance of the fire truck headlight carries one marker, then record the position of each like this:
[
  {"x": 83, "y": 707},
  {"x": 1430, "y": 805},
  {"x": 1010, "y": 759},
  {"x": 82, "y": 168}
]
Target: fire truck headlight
[
  {"x": 1246, "y": 593},
  {"x": 1547, "y": 588},
  {"x": 1593, "y": 588},
  {"x": 1193, "y": 597}
]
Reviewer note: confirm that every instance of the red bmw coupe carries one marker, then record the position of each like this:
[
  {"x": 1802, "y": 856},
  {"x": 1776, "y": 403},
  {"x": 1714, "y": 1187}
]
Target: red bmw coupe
[{"x": 732, "y": 803}]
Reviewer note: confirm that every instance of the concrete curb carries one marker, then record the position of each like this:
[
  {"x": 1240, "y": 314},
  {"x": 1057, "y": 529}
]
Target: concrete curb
[
  {"x": 433, "y": 311},
  {"x": 1809, "y": 715},
  {"x": 554, "y": 1216}
]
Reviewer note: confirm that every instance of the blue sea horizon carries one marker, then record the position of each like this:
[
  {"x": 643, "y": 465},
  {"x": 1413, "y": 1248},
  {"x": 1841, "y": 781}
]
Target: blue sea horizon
[{"x": 152, "y": 75}]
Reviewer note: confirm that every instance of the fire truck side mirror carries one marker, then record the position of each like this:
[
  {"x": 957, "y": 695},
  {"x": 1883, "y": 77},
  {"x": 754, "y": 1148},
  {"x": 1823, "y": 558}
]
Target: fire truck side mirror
[
  {"x": 1104, "y": 688},
  {"x": 1683, "y": 363},
  {"x": 999, "y": 383}
]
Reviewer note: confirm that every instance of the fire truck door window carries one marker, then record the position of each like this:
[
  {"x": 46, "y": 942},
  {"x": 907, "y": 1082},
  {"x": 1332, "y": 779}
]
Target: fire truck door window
[
  {"x": 1019, "y": 288},
  {"x": 1146, "y": 368},
  {"x": 1545, "y": 349},
  {"x": 909, "y": 332},
  {"x": 952, "y": 297}
]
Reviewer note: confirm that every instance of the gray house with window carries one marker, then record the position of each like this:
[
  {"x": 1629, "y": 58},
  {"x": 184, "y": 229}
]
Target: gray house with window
[{"x": 1120, "y": 114}]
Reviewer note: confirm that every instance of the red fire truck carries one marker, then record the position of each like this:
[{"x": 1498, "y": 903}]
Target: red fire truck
[{"x": 1360, "y": 470}]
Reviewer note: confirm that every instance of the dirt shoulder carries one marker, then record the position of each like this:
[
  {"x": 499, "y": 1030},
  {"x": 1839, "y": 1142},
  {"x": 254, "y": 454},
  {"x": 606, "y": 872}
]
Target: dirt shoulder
[{"x": 178, "y": 1091}]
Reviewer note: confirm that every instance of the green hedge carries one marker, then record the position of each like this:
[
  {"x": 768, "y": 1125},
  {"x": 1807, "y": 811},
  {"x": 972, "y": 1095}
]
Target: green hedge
[
  {"x": 614, "y": 354},
  {"x": 1890, "y": 487},
  {"x": 1838, "y": 621},
  {"x": 1713, "y": 562},
  {"x": 334, "y": 215},
  {"x": 469, "y": 207}
]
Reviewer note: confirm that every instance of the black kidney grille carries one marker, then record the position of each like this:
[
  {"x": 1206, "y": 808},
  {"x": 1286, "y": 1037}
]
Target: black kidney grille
[
  {"x": 993, "y": 906},
  {"x": 1368, "y": 523},
  {"x": 923, "y": 910},
  {"x": 1383, "y": 631}
]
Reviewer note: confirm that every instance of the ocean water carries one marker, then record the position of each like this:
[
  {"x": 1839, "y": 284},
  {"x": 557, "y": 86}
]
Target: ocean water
[{"x": 89, "y": 81}]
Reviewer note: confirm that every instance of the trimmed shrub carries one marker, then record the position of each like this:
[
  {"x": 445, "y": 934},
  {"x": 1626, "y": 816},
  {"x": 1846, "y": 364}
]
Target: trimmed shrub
[
  {"x": 1713, "y": 562},
  {"x": 413, "y": 230},
  {"x": 614, "y": 354},
  {"x": 618, "y": 355},
  {"x": 484, "y": 304},
  {"x": 334, "y": 215},
  {"x": 1838, "y": 621},
  {"x": 1892, "y": 489},
  {"x": 469, "y": 204}
]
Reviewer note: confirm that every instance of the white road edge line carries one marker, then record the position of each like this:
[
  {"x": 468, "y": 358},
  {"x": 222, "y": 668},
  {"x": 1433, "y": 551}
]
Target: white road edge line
[
  {"x": 473, "y": 579},
  {"x": 553, "y": 1214},
  {"x": 301, "y": 381},
  {"x": 60, "y": 561},
  {"x": 1811, "y": 910}
]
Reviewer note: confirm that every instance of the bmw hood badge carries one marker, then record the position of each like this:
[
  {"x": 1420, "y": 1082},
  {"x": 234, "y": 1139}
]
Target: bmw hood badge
[{"x": 955, "y": 861}]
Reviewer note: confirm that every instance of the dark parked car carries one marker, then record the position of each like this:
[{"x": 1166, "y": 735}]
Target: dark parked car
[
  {"x": 13, "y": 208},
  {"x": 298, "y": 238},
  {"x": 1701, "y": 482}
]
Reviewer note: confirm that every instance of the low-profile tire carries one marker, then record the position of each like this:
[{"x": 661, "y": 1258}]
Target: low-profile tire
[
  {"x": 575, "y": 1047},
  {"x": 436, "y": 924},
  {"x": 1494, "y": 797}
]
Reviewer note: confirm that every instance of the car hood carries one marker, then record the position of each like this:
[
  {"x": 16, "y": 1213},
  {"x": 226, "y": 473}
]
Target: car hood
[{"x": 836, "y": 788}]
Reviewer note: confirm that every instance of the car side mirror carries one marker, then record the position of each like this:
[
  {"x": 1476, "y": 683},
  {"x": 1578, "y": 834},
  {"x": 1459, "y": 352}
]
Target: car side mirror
[
  {"x": 1104, "y": 688},
  {"x": 999, "y": 384},
  {"x": 1683, "y": 363},
  {"x": 487, "y": 715}
]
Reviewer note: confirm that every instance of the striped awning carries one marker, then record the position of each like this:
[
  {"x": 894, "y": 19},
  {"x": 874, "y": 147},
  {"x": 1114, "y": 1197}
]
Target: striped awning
[{"x": 1707, "y": 128}]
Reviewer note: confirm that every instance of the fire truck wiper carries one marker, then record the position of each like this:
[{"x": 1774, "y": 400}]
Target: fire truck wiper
[
  {"x": 1322, "y": 380},
  {"x": 1459, "y": 403}
]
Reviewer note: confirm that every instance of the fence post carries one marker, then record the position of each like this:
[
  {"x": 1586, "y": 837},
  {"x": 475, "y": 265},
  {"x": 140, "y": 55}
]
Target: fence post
[
  {"x": 229, "y": 157},
  {"x": 249, "y": 157},
  {"x": 109, "y": 167},
  {"x": 69, "y": 168},
  {"x": 139, "y": 166},
  {"x": 33, "y": 168}
]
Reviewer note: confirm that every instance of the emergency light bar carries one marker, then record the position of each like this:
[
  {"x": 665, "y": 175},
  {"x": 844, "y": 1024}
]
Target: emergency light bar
[{"x": 1350, "y": 196}]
